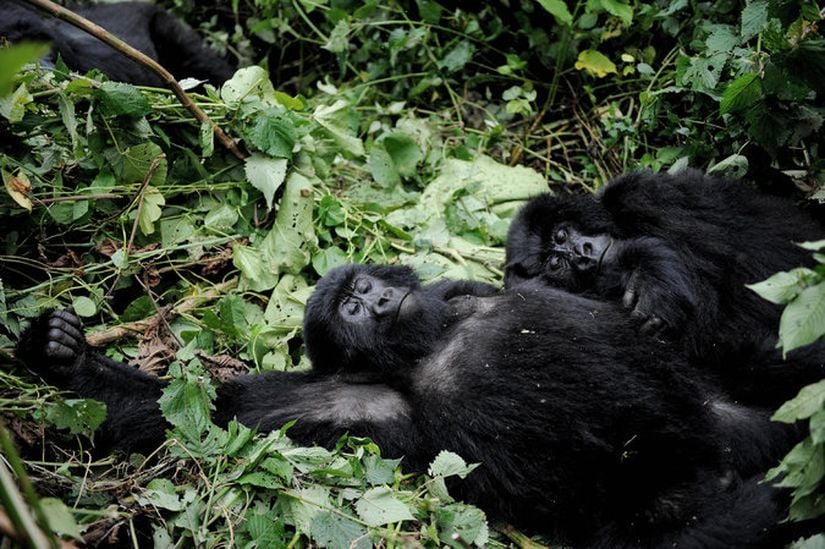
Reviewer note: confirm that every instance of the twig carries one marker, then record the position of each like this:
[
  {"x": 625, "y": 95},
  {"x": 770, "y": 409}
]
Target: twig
[
  {"x": 109, "y": 335},
  {"x": 139, "y": 57},
  {"x": 78, "y": 197}
]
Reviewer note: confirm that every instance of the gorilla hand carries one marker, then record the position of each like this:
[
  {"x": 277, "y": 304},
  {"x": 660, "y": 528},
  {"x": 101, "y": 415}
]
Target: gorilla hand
[{"x": 54, "y": 344}]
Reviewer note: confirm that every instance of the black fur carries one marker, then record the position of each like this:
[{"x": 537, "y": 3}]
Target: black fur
[
  {"x": 684, "y": 246},
  {"x": 581, "y": 435},
  {"x": 146, "y": 27}
]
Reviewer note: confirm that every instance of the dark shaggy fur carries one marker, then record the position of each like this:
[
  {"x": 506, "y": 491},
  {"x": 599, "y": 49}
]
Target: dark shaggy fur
[
  {"x": 580, "y": 434},
  {"x": 684, "y": 247},
  {"x": 146, "y": 27}
]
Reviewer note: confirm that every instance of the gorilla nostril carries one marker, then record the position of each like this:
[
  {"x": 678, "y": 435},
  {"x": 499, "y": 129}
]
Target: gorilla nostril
[{"x": 588, "y": 248}]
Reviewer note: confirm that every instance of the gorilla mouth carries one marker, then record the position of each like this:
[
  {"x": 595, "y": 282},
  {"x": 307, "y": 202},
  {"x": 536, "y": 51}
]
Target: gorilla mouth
[
  {"x": 604, "y": 255},
  {"x": 401, "y": 305}
]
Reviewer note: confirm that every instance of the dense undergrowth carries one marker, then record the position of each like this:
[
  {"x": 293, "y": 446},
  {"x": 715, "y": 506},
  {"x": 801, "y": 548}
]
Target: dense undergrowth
[{"x": 401, "y": 132}]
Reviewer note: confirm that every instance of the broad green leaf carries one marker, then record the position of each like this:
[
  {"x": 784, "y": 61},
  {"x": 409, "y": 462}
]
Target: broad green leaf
[
  {"x": 783, "y": 286},
  {"x": 378, "y": 506},
  {"x": 331, "y": 118},
  {"x": 335, "y": 531},
  {"x": 447, "y": 464},
  {"x": 722, "y": 39},
  {"x": 461, "y": 524},
  {"x": 735, "y": 167},
  {"x": 329, "y": 258},
  {"x": 266, "y": 174},
  {"x": 13, "y": 107},
  {"x": 404, "y": 151},
  {"x": 338, "y": 41},
  {"x": 286, "y": 304},
  {"x": 207, "y": 138},
  {"x": 60, "y": 518},
  {"x": 133, "y": 165},
  {"x": 119, "y": 99},
  {"x": 457, "y": 57},
  {"x": 273, "y": 133},
  {"x": 754, "y": 17},
  {"x": 595, "y": 63},
  {"x": 151, "y": 210},
  {"x": 160, "y": 492},
  {"x": 253, "y": 267},
  {"x": 382, "y": 167},
  {"x": 741, "y": 93},
  {"x": 264, "y": 531},
  {"x": 813, "y": 246},
  {"x": 803, "y": 320},
  {"x": 84, "y": 307},
  {"x": 76, "y": 415},
  {"x": 175, "y": 231},
  {"x": 811, "y": 399},
  {"x": 620, "y": 9},
  {"x": 558, "y": 9},
  {"x": 12, "y": 59},
  {"x": 814, "y": 542},
  {"x": 304, "y": 504},
  {"x": 246, "y": 82}
]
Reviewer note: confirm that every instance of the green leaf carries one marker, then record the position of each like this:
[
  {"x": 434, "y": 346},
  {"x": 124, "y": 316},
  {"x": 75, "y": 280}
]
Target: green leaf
[
  {"x": 273, "y": 133},
  {"x": 13, "y": 107},
  {"x": 265, "y": 174},
  {"x": 76, "y": 415},
  {"x": 803, "y": 320},
  {"x": 334, "y": 531},
  {"x": 161, "y": 493},
  {"x": 595, "y": 63},
  {"x": 382, "y": 168},
  {"x": 12, "y": 59},
  {"x": 404, "y": 151},
  {"x": 813, "y": 246},
  {"x": 618, "y": 8},
  {"x": 330, "y": 117},
  {"x": 457, "y": 57},
  {"x": 151, "y": 210},
  {"x": 60, "y": 518},
  {"x": 461, "y": 524},
  {"x": 754, "y": 18},
  {"x": 815, "y": 542},
  {"x": 244, "y": 83},
  {"x": 735, "y": 167},
  {"x": 378, "y": 506},
  {"x": 338, "y": 41},
  {"x": 811, "y": 399},
  {"x": 286, "y": 304},
  {"x": 722, "y": 40},
  {"x": 558, "y": 9},
  {"x": 447, "y": 464},
  {"x": 304, "y": 504},
  {"x": 741, "y": 93},
  {"x": 328, "y": 259},
  {"x": 133, "y": 165},
  {"x": 84, "y": 306},
  {"x": 783, "y": 286},
  {"x": 119, "y": 99}
]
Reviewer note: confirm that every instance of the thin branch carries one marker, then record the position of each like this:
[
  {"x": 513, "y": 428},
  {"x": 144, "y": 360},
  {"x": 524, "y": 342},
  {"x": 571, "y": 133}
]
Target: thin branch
[
  {"x": 139, "y": 57},
  {"x": 99, "y": 339}
]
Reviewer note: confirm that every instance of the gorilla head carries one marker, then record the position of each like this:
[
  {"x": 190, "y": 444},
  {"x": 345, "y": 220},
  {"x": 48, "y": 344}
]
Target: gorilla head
[{"x": 371, "y": 318}]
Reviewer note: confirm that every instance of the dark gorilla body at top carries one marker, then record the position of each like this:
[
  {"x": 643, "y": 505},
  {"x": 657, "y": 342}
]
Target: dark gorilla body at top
[
  {"x": 582, "y": 436},
  {"x": 677, "y": 251},
  {"x": 146, "y": 27}
]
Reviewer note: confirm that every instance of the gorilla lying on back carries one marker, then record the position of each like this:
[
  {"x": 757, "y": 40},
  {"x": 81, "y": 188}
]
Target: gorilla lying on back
[
  {"x": 581, "y": 435},
  {"x": 678, "y": 250},
  {"x": 146, "y": 27}
]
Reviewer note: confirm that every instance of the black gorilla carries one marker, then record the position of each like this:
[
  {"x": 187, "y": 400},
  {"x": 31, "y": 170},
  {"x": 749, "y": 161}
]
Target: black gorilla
[
  {"x": 146, "y": 27},
  {"x": 580, "y": 435},
  {"x": 678, "y": 250}
]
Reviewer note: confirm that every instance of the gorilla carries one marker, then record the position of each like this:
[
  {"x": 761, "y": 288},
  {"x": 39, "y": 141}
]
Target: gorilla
[
  {"x": 581, "y": 436},
  {"x": 677, "y": 250},
  {"x": 146, "y": 27}
]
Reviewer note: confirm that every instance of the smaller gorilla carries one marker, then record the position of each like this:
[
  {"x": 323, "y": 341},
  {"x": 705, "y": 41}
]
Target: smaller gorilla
[
  {"x": 677, "y": 250},
  {"x": 581, "y": 435},
  {"x": 146, "y": 27}
]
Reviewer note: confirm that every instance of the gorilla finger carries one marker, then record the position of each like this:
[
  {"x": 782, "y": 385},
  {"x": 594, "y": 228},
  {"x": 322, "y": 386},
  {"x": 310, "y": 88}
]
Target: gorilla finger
[
  {"x": 69, "y": 329},
  {"x": 630, "y": 297},
  {"x": 61, "y": 336},
  {"x": 652, "y": 325},
  {"x": 70, "y": 317},
  {"x": 57, "y": 350}
]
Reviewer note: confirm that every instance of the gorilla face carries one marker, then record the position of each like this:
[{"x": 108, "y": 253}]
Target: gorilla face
[
  {"x": 563, "y": 256},
  {"x": 373, "y": 318}
]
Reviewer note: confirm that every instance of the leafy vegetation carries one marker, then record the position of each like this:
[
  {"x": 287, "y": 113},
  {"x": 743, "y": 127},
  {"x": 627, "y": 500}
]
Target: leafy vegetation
[{"x": 400, "y": 132}]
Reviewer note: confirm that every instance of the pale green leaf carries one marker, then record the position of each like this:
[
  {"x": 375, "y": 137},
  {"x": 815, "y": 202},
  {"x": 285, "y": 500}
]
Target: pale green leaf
[
  {"x": 783, "y": 286},
  {"x": 84, "y": 306},
  {"x": 335, "y": 531},
  {"x": 620, "y": 9},
  {"x": 558, "y": 9},
  {"x": 151, "y": 210},
  {"x": 265, "y": 174},
  {"x": 803, "y": 320},
  {"x": 61, "y": 520},
  {"x": 810, "y": 400},
  {"x": 457, "y": 57},
  {"x": 754, "y": 18},
  {"x": 332, "y": 119},
  {"x": 595, "y": 63},
  {"x": 447, "y": 464},
  {"x": 378, "y": 506},
  {"x": 12, "y": 59}
]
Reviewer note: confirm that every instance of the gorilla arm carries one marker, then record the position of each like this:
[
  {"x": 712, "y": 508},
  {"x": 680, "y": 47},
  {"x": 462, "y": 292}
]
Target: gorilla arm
[{"x": 326, "y": 406}]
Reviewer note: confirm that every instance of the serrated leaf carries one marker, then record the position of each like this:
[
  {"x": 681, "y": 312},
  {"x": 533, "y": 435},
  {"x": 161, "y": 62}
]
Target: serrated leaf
[
  {"x": 619, "y": 9},
  {"x": 558, "y": 9},
  {"x": 447, "y": 464},
  {"x": 265, "y": 174},
  {"x": 160, "y": 492},
  {"x": 461, "y": 524},
  {"x": 12, "y": 59},
  {"x": 334, "y": 531},
  {"x": 783, "y": 286},
  {"x": 754, "y": 17},
  {"x": 722, "y": 39},
  {"x": 76, "y": 415},
  {"x": 741, "y": 93},
  {"x": 13, "y": 107},
  {"x": 382, "y": 168},
  {"x": 404, "y": 151},
  {"x": 273, "y": 133},
  {"x": 60, "y": 518},
  {"x": 120, "y": 99},
  {"x": 244, "y": 83},
  {"x": 330, "y": 118},
  {"x": 304, "y": 504},
  {"x": 811, "y": 399},
  {"x": 803, "y": 320},
  {"x": 378, "y": 506},
  {"x": 595, "y": 63},
  {"x": 457, "y": 57}
]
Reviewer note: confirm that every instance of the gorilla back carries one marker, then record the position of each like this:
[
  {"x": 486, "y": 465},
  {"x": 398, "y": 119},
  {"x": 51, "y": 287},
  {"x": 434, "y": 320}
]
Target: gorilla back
[{"x": 580, "y": 435}]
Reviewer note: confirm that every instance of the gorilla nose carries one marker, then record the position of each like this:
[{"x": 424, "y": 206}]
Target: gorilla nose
[{"x": 386, "y": 302}]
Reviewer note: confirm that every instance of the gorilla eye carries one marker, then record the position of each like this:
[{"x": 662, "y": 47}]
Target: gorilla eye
[
  {"x": 561, "y": 236},
  {"x": 362, "y": 285}
]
